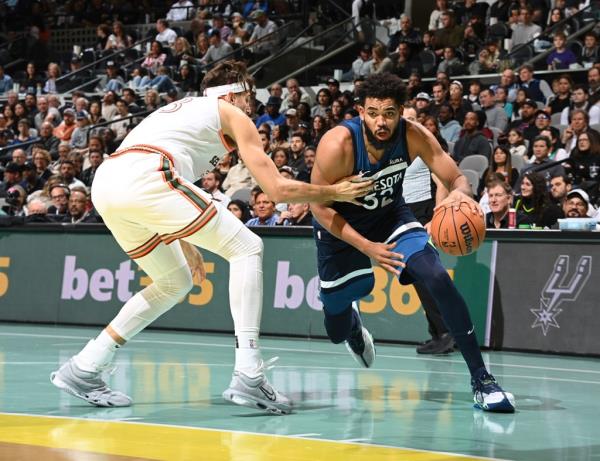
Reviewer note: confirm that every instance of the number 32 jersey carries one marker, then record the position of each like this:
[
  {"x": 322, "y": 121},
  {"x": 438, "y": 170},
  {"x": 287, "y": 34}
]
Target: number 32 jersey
[{"x": 385, "y": 202}]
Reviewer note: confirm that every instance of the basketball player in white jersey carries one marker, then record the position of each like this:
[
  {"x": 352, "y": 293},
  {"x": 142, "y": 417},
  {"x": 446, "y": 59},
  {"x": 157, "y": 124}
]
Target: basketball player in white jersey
[{"x": 146, "y": 196}]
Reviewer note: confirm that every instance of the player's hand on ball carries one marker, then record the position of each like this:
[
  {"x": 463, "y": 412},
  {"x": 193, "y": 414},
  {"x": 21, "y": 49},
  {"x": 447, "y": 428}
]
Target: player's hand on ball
[
  {"x": 427, "y": 227},
  {"x": 383, "y": 255},
  {"x": 195, "y": 260},
  {"x": 350, "y": 188},
  {"x": 455, "y": 198}
]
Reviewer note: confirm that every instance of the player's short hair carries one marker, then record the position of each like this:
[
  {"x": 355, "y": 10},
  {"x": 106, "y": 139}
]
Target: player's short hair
[
  {"x": 226, "y": 73},
  {"x": 382, "y": 86}
]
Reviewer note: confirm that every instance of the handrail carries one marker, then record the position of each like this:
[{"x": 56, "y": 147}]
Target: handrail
[
  {"x": 290, "y": 42},
  {"x": 14, "y": 63},
  {"x": 339, "y": 25},
  {"x": 92, "y": 65},
  {"x": 338, "y": 7},
  {"x": 571, "y": 37},
  {"x": 548, "y": 30},
  {"x": 17, "y": 146},
  {"x": 313, "y": 63},
  {"x": 276, "y": 32},
  {"x": 89, "y": 82},
  {"x": 17, "y": 37},
  {"x": 90, "y": 128}
]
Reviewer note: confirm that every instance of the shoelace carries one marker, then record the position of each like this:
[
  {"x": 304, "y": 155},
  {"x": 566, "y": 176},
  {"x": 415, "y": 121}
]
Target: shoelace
[
  {"x": 268, "y": 365},
  {"x": 487, "y": 383}
]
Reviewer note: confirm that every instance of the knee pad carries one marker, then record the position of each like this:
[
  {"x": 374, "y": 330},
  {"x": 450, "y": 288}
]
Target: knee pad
[
  {"x": 173, "y": 285},
  {"x": 245, "y": 243},
  {"x": 336, "y": 300}
]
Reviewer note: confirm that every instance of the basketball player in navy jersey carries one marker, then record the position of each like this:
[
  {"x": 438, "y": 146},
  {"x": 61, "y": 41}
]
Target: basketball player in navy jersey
[{"x": 379, "y": 145}]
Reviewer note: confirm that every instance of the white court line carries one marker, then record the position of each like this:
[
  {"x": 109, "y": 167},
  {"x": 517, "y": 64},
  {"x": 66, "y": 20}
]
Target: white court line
[
  {"x": 313, "y": 367},
  {"x": 263, "y": 434},
  {"x": 310, "y": 434},
  {"x": 312, "y": 351}
]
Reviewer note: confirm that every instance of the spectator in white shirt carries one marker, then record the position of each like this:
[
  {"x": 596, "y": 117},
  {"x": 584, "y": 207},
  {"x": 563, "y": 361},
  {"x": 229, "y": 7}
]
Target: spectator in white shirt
[
  {"x": 165, "y": 36},
  {"x": 525, "y": 30},
  {"x": 181, "y": 10}
]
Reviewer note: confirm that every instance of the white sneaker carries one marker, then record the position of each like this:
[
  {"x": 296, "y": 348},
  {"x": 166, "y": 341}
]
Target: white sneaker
[
  {"x": 257, "y": 392},
  {"x": 360, "y": 344},
  {"x": 88, "y": 386}
]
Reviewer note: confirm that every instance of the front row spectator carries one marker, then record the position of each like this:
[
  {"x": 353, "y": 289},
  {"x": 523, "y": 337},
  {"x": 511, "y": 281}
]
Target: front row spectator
[
  {"x": 240, "y": 209},
  {"x": 500, "y": 197},
  {"x": 297, "y": 214},
  {"x": 577, "y": 205},
  {"x": 264, "y": 210},
  {"x": 534, "y": 202}
]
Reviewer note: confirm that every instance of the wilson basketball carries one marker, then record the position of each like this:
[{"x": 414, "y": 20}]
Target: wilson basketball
[{"x": 457, "y": 232}]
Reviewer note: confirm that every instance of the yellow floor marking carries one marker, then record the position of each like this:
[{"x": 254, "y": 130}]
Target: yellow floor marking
[{"x": 180, "y": 443}]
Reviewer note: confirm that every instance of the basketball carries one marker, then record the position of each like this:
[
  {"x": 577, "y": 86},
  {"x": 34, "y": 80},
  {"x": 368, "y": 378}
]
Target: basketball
[{"x": 457, "y": 232}]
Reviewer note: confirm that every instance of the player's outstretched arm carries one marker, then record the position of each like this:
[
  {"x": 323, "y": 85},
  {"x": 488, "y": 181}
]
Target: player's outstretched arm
[
  {"x": 333, "y": 163},
  {"x": 442, "y": 165},
  {"x": 240, "y": 128}
]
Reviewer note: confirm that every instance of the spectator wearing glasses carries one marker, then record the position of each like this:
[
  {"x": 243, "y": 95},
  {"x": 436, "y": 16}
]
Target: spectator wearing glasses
[{"x": 59, "y": 195}]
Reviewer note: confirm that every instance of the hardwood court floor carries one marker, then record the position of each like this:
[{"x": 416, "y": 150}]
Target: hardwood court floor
[{"x": 407, "y": 408}]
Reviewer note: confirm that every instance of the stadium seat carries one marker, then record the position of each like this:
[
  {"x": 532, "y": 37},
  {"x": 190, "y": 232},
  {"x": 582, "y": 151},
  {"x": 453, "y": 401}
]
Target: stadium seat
[
  {"x": 428, "y": 59},
  {"x": 555, "y": 119},
  {"x": 595, "y": 126},
  {"x": 497, "y": 132},
  {"x": 473, "y": 178},
  {"x": 498, "y": 31},
  {"x": 575, "y": 46},
  {"x": 521, "y": 54},
  {"x": 517, "y": 161},
  {"x": 242, "y": 194},
  {"x": 478, "y": 163},
  {"x": 562, "y": 128}
]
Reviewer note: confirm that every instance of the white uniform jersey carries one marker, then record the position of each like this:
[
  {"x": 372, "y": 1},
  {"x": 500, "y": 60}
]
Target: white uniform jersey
[{"x": 188, "y": 131}]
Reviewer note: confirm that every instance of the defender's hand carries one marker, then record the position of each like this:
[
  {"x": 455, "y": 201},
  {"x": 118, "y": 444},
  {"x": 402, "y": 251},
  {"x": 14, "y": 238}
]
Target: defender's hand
[
  {"x": 383, "y": 255},
  {"x": 350, "y": 188},
  {"x": 455, "y": 198},
  {"x": 194, "y": 260}
]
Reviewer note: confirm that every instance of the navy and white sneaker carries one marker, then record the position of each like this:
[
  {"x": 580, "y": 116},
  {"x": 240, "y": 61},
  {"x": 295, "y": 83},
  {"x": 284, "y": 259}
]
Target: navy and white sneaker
[
  {"x": 360, "y": 344},
  {"x": 489, "y": 396}
]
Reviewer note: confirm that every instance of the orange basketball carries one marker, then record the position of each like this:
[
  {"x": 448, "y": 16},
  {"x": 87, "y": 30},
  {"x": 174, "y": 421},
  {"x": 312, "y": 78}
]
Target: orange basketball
[{"x": 457, "y": 232}]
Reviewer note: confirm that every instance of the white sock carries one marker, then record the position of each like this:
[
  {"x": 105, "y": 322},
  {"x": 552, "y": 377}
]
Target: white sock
[
  {"x": 97, "y": 354},
  {"x": 247, "y": 353},
  {"x": 106, "y": 340}
]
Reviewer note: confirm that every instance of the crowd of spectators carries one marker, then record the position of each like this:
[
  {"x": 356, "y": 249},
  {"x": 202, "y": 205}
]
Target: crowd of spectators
[{"x": 531, "y": 134}]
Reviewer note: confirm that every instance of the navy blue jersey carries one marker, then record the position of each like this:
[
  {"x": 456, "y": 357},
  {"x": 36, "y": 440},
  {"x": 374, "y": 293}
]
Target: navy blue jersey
[{"x": 385, "y": 203}]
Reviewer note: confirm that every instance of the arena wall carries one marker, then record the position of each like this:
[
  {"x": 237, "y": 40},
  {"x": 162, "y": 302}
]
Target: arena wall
[{"x": 523, "y": 294}]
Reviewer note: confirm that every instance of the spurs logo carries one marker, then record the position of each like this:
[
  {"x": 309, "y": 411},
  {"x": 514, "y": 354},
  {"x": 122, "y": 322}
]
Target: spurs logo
[{"x": 557, "y": 291}]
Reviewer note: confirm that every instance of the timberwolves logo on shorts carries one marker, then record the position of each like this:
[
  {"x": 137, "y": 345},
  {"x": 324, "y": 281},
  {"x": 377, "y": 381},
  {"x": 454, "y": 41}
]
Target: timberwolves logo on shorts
[{"x": 558, "y": 290}]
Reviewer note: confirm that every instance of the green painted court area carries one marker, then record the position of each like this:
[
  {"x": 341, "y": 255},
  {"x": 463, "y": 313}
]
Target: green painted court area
[{"x": 408, "y": 407}]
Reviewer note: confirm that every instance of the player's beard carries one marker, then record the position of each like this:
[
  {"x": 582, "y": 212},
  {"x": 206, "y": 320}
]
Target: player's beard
[{"x": 376, "y": 143}]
